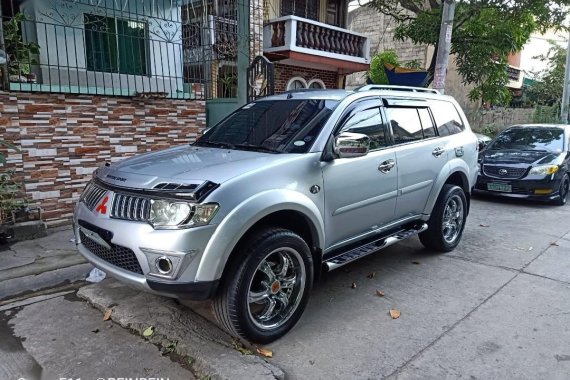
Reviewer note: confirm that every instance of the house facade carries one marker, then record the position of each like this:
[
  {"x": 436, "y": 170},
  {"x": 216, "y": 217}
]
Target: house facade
[
  {"x": 310, "y": 44},
  {"x": 94, "y": 81}
]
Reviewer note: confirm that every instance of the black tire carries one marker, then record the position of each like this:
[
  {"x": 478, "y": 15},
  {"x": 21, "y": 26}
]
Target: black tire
[
  {"x": 563, "y": 191},
  {"x": 435, "y": 236},
  {"x": 231, "y": 306}
]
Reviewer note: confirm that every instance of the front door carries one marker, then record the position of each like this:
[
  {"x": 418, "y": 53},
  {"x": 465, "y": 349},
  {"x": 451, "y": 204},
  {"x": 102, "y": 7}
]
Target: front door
[{"x": 360, "y": 192}]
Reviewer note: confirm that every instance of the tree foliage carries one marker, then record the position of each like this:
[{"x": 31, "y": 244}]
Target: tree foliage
[
  {"x": 485, "y": 32},
  {"x": 548, "y": 85}
]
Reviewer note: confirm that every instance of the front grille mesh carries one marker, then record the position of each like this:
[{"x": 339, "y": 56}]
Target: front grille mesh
[
  {"x": 512, "y": 173},
  {"x": 130, "y": 207},
  {"x": 118, "y": 256},
  {"x": 92, "y": 195}
]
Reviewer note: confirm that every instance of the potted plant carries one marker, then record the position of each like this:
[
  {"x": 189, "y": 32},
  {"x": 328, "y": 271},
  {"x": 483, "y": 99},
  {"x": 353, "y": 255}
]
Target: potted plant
[
  {"x": 10, "y": 204},
  {"x": 21, "y": 55}
]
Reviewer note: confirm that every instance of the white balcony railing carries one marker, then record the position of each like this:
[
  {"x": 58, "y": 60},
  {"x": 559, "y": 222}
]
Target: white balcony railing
[
  {"x": 292, "y": 33},
  {"x": 516, "y": 77}
]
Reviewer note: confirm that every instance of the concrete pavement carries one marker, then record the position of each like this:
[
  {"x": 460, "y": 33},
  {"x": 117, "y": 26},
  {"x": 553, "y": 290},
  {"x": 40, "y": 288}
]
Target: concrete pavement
[
  {"x": 497, "y": 307},
  {"x": 46, "y": 262},
  {"x": 60, "y": 336}
]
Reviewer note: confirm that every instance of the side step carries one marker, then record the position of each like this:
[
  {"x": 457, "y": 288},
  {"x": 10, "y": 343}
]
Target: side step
[{"x": 366, "y": 249}]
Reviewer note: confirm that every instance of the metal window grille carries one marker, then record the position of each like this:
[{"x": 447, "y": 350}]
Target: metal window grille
[{"x": 185, "y": 49}]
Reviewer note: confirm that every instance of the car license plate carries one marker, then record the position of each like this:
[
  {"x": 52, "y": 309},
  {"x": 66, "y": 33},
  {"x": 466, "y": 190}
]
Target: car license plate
[{"x": 502, "y": 187}]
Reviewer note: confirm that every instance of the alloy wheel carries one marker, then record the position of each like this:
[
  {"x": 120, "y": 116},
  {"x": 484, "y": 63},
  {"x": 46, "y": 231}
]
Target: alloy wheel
[
  {"x": 452, "y": 219},
  {"x": 276, "y": 288}
]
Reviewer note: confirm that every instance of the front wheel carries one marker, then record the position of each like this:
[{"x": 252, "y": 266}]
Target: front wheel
[
  {"x": 563, "y": 191},
  {"x": 266, "y": 292},
  {"x": 447, "y": 221}
]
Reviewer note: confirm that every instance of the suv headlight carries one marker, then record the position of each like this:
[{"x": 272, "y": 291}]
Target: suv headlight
[
  {"x": 164, "y": 213},
  {"x": 544, "y": 169}
]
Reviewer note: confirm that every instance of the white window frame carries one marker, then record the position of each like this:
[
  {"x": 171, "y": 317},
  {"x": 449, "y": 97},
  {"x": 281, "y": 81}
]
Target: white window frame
[
  {"x": 292, "y": 80},
  {"x": 316, "y": 81}
]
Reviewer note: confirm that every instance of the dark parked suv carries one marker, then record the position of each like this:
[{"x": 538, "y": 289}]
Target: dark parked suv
[{"x": 527, "y": 161}]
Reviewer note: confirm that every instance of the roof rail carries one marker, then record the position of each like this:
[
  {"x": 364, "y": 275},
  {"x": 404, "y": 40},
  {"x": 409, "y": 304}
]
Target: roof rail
[{"x": 396, "y": 88}]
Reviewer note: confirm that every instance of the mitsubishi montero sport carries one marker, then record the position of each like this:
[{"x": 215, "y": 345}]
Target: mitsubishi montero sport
[{"x": 281, "y": 190}]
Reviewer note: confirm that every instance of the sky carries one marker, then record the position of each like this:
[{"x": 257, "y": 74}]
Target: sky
[{"x": 539, "y": 45}]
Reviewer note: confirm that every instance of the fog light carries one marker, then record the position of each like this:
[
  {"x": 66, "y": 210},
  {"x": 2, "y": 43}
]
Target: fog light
[
  {"x": 542, "y": 191},
  {"x": 164, "y": 265}
]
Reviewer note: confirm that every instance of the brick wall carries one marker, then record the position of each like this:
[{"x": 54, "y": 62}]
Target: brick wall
[
  {"x": 63, "y": 138},
  {"x": 283, "y": 73}
]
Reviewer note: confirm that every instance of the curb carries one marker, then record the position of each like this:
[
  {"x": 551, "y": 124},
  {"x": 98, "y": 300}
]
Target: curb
[{"x": 207, "y": 350}]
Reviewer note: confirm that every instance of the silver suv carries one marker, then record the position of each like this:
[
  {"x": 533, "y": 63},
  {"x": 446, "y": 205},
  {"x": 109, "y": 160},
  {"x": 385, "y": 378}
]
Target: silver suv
[{"x": 281, "y": 190}]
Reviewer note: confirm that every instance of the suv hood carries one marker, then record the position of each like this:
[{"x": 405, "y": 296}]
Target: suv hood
[
  {"x": 186, "y": 164},
  {"x": 514, "y": 157}
]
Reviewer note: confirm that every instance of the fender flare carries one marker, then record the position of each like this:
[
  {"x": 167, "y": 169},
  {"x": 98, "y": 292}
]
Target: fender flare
[
  {"x": 243, "y": 217},
  {"x": 453, "y": 166}
]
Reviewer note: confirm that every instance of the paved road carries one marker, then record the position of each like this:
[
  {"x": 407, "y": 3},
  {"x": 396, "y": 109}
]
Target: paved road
[{"x": 497, "y": 307}]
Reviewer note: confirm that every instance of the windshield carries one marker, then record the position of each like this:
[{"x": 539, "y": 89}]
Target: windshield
[
  {"x": 549, "y": 139},
  {"x": 280, "y": 126}
]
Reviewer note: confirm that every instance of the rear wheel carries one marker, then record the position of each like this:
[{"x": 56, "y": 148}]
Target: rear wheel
[
  {"x": 563, "y": 191},
  {"x": 447, "y": 221},
  {"x": 266, "y": 292}
]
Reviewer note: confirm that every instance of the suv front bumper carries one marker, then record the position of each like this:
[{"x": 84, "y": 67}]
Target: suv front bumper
[{"x": 128, "y": 251}]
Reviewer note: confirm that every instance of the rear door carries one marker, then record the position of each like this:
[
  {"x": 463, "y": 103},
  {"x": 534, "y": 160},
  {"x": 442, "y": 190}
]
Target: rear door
[{"x": 420, "y": 155}]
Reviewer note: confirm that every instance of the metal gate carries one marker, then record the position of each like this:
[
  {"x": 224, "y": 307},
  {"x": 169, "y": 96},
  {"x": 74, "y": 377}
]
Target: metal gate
[{"x": 260, "y": 78}]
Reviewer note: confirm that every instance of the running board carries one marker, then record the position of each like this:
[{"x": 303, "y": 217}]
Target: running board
[{"x": 365, "y": 250}]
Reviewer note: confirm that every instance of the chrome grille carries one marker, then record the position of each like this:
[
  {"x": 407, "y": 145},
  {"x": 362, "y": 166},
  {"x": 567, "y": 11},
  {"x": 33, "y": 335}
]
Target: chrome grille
[
  {"x": 130, "y": 207},
  {"x": 511, "y": 173},
  {"x": 92, "y": 195}
]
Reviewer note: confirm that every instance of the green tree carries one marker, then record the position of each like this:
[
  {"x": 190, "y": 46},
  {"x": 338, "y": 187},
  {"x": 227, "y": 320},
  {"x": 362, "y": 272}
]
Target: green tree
[
  {"x": 485, "y": 32},
  {"x": 548, "y": 86}
]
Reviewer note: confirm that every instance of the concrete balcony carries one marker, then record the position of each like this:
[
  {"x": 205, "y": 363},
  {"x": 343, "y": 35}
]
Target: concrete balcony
[
  {"x": 516, "y": 77},
  {"x": 298, "y": 41}
]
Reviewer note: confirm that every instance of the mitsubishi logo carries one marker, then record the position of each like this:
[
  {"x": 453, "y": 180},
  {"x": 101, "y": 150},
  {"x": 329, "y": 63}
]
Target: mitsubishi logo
[
  {"x": 102, "y": 207},
  {"x": 503, "y": 171}
]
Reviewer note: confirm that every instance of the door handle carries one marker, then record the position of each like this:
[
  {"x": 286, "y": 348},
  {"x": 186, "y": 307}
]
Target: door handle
[
  {"x": 386, "y": 166},
  {"x": 438, "y": 151}
]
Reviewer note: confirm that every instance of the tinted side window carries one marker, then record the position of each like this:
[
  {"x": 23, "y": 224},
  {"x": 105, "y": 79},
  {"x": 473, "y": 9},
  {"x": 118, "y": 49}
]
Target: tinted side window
[
  {"x": 368, "y": 122},
  {"x": 446, "y": 117},
  {"x": 427, "y": 123},
  {"x": 406, "y": 125}
]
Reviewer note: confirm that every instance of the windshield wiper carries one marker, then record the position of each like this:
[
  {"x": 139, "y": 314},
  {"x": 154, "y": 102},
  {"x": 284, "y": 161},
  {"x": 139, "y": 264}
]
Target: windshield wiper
[
  {"x": 257, "y": 148},
  {"x": 215, "y": 144}
]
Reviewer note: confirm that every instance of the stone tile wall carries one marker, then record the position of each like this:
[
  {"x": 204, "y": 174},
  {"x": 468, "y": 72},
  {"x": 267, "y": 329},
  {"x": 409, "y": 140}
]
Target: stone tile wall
[{"x": 64, "y": 137}]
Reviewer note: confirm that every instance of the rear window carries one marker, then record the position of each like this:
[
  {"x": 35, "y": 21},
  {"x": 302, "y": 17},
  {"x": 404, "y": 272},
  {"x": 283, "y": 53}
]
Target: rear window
[
  {"x": 447, "y": 119},
  {"x": 406, "y": 124},
  {"x": 539, "y": 138},
  {"x": 283, "y": 126}
]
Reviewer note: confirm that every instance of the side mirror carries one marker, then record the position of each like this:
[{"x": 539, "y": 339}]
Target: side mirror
[{"x": 347, "y": 145}]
